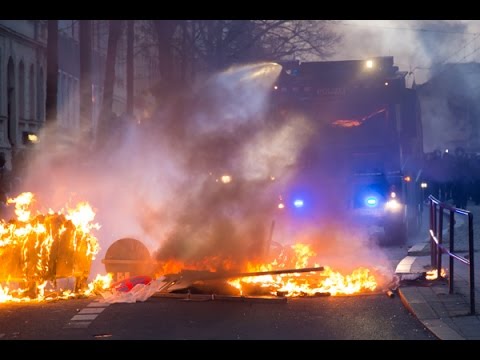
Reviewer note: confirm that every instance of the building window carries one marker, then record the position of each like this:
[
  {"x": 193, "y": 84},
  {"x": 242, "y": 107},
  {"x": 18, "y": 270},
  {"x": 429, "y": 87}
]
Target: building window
[
  {"x": 31, "y": 93},
  {"x": 11, "y": 103},
  {"x": 21, "y": 91},
  {"x": 40, "y": 97}
]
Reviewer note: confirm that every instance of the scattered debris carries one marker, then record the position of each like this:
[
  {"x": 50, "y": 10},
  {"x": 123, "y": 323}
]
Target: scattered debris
[
  {"x": 390, "y": 294},
  {"x": 139, "y": 292}
]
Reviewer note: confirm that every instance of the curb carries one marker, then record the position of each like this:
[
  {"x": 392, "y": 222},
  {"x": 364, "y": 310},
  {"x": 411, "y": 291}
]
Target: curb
[{"x": 437, "y": 326}]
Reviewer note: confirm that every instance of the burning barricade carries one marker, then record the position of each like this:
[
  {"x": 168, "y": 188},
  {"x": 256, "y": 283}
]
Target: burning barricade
[
  {"x": 291, "y": 273},
  {"x": 36, "y": 249}
]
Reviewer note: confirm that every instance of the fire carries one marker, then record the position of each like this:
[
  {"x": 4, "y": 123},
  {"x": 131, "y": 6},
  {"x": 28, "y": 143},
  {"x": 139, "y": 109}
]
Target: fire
[
  {"x": 213, "y": 263},
  {"x": 298, "y": 256},
  {"x": 306, "y": 284},
  {"x": 37, "y": 250},
  {"x": 433, "y": 274}
]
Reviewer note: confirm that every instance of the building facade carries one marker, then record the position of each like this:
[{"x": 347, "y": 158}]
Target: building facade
[
  {"x": 23, "y": 79},
  {"x": 22, "y": 83}
]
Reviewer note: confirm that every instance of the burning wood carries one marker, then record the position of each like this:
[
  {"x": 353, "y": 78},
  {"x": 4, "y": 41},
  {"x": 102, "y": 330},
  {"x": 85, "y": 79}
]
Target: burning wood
[
  {"x": 276, "y": 278},
  {"x": 194, "y": 275},
  {"x": 188, "y": 277},
  {"x": 290, "y": 272}
]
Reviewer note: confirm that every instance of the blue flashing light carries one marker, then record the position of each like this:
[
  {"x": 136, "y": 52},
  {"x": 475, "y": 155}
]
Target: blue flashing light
[
  {"x": 371, "y": 201},
  {"x": 298, "y": 203}
]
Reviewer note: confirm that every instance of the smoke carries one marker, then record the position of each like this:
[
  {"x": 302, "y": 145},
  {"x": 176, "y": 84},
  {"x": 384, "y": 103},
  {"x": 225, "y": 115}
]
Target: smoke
[
  {"x": 199, "y": 179},
  {"x": 160, "y": 181},
  {"x": 419, "y": 46}
]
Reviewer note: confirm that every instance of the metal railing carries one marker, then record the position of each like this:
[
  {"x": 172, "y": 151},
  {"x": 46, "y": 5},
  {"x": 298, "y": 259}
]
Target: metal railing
[{"x": 437, "y": 212}]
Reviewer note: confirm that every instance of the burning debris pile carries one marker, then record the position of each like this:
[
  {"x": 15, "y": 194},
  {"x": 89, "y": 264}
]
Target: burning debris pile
[
  {"x": 292, "y": 273},
  {"x": 41, "y": 248}
]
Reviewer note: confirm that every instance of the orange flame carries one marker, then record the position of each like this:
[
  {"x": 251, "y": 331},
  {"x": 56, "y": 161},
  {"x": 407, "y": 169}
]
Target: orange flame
[
  {"x": 305, "y": 284},
  {"x": 298, "y": 256},
  {"x": 433, "y": 274},
  {"x": 37, "y": 250}
]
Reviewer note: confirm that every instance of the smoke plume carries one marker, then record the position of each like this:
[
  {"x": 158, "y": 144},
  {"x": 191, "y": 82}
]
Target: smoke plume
[{"x": 200, "y": 178}]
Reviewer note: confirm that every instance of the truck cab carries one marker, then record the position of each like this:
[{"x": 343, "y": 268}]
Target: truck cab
[{"x": 362, "y": 157}]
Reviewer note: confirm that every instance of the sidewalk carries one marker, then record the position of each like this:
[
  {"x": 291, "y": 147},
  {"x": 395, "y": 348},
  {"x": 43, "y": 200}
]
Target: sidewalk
[{"x": 445, "y": 315}]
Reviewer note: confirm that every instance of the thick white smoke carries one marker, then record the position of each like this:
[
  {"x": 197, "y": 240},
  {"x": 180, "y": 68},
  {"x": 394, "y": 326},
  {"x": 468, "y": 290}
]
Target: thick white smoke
[{"x": 160, "y": 181}]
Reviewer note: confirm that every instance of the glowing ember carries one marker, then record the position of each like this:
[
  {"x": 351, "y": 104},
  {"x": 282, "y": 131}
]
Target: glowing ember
[
  {"x": 433, "y": 274},
  {"x": 37, "y": 250}
]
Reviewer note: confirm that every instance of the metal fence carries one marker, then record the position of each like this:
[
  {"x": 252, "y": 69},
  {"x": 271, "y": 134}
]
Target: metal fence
[{"x": 438, "y": 210}]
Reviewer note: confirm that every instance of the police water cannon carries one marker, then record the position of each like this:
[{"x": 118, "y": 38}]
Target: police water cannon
[{"x": 367, "y": 140}]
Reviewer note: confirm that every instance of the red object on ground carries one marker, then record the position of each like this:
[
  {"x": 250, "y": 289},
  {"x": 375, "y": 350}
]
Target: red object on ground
[{"x": 128, "y": 284}]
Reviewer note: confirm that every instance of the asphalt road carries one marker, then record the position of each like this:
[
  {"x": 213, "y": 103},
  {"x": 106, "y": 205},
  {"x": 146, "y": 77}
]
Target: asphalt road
[{"x": 366, "y": 317}]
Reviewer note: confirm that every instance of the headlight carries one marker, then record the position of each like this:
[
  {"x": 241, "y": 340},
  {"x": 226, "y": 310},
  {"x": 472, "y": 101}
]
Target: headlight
[
  {"x": 226, "y": 179},
  {"x": 392, "y": 205}
]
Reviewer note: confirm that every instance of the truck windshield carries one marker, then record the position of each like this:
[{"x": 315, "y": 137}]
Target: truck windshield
[{"x": 354, "y": 142}]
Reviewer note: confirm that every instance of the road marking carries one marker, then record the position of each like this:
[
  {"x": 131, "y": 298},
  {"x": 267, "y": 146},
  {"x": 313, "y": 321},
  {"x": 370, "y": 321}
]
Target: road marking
[
  {"x": 91, "y": 310},
  {"x": 85, "y": 316},
  {"x": 97, "y": 304}
]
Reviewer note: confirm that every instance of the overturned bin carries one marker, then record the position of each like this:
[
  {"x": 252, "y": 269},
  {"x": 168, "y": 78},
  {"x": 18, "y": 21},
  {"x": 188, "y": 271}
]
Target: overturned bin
[
  {"x": 45, "y": 248},
  {"x": 128, "y": 257}
]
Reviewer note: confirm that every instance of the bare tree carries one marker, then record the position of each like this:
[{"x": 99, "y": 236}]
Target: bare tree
[
  {"x": 130, "y": 69},
  {"x": 86, "y": 73},
  {"x": 114, "y": 32},
  {"x": 186, "y": 48},
  {"x": 221, "y": 43},
  {"x": 164, "y": 31}
]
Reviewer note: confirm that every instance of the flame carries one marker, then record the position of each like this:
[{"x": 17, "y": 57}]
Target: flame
[
  {"x": 22, "y": 202},
  {"x": 101, "y": 282},
  {"x": 36, "y": 250},
  {"x": 297, "y": 256},
  {"x": 213, "y": 263},
  {"x": 433, "y": 274},
  {"x": 305, "y": 284}
]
